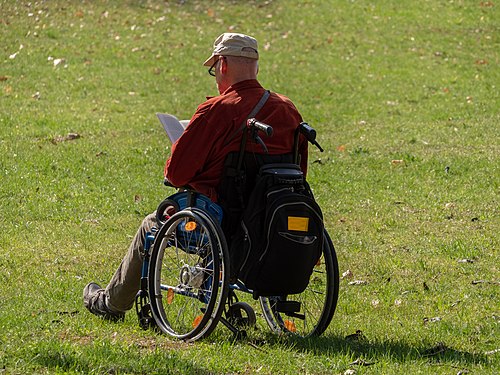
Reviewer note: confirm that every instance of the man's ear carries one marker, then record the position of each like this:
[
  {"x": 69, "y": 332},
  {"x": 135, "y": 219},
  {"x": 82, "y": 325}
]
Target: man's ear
[{"x": 223, "y": 65}]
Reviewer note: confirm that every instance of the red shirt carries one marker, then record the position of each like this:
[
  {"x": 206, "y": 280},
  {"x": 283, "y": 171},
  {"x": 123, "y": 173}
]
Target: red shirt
[{"x": 197, "y": 158}]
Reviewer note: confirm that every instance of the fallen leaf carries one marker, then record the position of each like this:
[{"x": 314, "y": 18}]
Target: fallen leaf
[
  {"x": 397, "y": 162},
  {"x": 475, "y": 282},
  {"x": 432, "y": 320},
  {"x": 492, "y": 352},
  {"x": 3, "y": 78},
  {"x": 347, "y": 274},
  {"x": 69, "y": 137},
  {"x": 358, "y": 282},
  {"x": 361, "y": 362},
  {"x": 341, "y": 148},
  {"x": 57, "y": 62}
]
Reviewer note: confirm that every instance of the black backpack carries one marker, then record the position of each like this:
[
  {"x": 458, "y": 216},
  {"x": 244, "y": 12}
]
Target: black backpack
[{"x": 281, "y": 233}]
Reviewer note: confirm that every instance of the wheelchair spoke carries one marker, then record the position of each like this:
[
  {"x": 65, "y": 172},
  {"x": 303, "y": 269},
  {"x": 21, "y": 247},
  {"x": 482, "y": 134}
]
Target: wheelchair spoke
[
  {"x": 317, "y": 302},
  {"x": 186, "y": 273}
]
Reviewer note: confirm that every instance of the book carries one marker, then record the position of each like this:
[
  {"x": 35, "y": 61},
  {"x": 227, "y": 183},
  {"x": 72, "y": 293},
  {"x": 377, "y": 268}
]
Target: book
[{"x": 173, "y": 126}]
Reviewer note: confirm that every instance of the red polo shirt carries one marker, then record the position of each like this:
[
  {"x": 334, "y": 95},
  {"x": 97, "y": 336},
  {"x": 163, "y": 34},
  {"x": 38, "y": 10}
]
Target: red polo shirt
[{"x": 197, "y": 158}]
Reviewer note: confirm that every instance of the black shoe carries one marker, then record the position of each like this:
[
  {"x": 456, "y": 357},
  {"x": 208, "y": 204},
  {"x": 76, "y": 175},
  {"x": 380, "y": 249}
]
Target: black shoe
[{"x": 94, "y": 299}]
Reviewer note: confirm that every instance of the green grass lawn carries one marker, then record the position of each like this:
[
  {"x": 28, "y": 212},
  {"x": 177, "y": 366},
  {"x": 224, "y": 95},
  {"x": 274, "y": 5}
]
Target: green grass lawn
[{"x": 405, "y": 99}]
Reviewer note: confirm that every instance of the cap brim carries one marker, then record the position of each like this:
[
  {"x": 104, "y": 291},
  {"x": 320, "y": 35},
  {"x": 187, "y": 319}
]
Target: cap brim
[{"x": 209, "y": 61}]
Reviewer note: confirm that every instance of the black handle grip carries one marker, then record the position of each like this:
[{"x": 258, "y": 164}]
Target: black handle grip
[
  {"x": 310, "y": 134},
  {"x": 253, "y": 123}
]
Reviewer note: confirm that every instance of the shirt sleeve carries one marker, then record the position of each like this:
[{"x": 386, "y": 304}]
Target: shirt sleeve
[{"x": 190, "y": 151}]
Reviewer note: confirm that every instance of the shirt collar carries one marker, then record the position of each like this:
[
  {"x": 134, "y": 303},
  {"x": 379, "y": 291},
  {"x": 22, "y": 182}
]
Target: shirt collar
[
  {"x": 242, "y": 85},
  {"x": 247, "y": 84}
]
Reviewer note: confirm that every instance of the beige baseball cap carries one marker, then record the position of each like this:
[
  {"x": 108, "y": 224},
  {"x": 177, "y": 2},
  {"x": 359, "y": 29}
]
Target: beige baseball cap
[{"x": 234, "y": 44}]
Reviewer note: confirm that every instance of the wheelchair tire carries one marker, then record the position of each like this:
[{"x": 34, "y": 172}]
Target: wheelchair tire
[
  {"x": 187, "y": 278},
  {"x": 241, "y": 314},
  {"x": 317, "y": 302}
]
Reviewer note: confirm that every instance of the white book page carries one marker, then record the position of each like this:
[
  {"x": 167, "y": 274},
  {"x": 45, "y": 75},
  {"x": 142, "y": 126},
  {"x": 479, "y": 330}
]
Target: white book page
[{"x": 173, "y": 127}]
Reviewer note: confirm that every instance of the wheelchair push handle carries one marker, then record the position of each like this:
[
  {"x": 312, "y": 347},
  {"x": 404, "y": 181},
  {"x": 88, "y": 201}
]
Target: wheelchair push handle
[
  {"x": 252, "y": 124},
  {"x": 309, "y": 133}
]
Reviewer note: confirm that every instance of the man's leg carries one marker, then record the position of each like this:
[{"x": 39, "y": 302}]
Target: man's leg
[{"x": 119, "y": 295}]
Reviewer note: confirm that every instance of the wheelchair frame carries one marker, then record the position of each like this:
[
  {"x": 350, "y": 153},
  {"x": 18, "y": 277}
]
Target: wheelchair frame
[{"x": 185, "y": 287}]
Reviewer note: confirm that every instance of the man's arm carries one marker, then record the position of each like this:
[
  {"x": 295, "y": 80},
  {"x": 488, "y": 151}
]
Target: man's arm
[{"x": 189, "y": 152}]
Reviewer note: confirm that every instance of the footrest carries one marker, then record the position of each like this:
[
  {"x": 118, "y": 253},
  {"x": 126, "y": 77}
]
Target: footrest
[{"x": 287, "y": 306}]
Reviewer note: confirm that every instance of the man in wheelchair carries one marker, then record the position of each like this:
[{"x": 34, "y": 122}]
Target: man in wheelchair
[{"x": 198, "y": 157}]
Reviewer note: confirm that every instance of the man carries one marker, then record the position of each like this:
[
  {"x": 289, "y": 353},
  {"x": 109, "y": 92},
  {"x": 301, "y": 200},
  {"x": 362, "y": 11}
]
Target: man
[{"x": 198, "y": 156}]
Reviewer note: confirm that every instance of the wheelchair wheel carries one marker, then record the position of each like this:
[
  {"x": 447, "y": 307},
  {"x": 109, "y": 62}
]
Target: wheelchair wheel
[
  {"x": 241, "y": 314},
  {"x": 317, "y": 302},
  {"x": 187, "y": 279}
]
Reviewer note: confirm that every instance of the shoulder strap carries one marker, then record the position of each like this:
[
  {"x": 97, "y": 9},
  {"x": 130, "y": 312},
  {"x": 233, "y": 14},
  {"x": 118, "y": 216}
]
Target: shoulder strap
[
  {"x": 259, "y": 105},
  {"x": 255, "y": 110}
]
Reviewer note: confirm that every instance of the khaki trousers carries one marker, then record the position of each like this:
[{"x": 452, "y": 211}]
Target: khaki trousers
[{"x": 126, "y": 281}]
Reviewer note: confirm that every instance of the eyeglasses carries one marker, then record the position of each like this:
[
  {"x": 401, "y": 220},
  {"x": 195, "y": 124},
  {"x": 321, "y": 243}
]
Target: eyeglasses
[{"x": 211, "y": 71}]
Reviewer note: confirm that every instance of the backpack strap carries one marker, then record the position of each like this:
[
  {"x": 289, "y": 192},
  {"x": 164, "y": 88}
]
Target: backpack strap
[
  {"x": 254, "y": 112},
  {"x": 236, "y": 171}
]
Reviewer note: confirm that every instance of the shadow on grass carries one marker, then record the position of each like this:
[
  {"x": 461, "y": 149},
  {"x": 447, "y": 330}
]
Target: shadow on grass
[
  {"x": 106, "y": 358},
  {"x": 372, "y": 350}
]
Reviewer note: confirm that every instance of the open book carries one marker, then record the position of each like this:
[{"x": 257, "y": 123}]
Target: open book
[{"x": 172, "y": 125}]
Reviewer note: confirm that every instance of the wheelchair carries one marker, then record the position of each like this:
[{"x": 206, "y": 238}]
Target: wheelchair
[{"x": 186, "y": 284}]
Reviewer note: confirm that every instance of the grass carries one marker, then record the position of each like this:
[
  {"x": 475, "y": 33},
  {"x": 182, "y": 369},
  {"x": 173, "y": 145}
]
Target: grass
[{"x": 405, "y": 100}]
